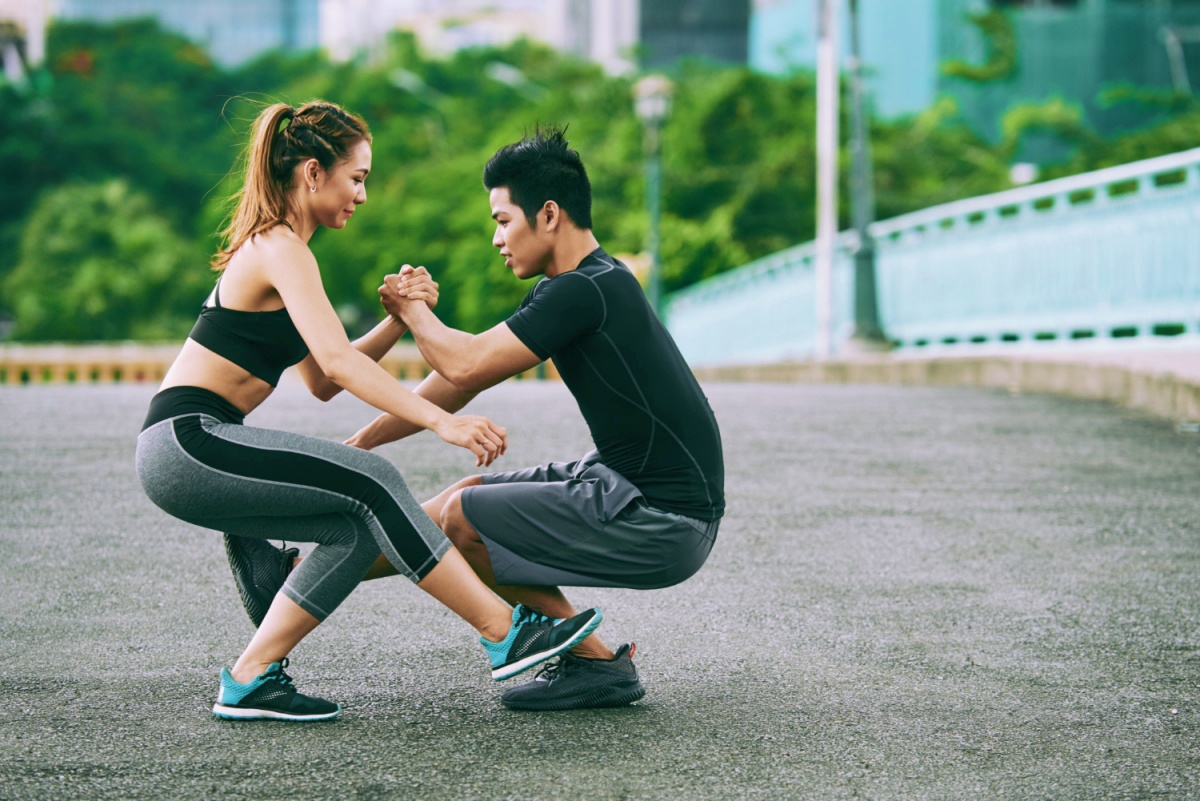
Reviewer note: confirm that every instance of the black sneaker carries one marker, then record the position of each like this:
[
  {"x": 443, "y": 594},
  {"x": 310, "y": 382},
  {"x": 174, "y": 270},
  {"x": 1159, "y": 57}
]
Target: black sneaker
[
  {"x": 534, "y": 638},
  {"x": 574, "y": 682},
  {"x": 271, "y": 696},
  {"x": 259, "y": 570}
]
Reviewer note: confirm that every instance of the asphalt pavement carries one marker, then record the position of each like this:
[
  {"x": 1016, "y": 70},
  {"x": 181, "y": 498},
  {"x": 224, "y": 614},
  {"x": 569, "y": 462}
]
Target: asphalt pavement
[{"x": 916, "y": 593}]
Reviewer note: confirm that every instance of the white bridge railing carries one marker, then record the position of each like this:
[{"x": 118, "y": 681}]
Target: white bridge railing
[{"x": 1112, "y": 254}]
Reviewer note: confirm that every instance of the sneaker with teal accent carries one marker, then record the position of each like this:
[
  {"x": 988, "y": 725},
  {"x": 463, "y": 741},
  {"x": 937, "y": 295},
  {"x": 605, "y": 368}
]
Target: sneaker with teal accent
[
  {"x": 271, "y": 696},
  {"x": 534, "y": 638}
]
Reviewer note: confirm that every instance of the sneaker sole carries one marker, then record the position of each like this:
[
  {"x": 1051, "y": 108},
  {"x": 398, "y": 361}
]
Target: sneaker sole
[
  {"x": 508, "y": 671},
  {"x": 241, "y": 566},
  {"x": 241, "y": 713},
  {"x": 611, "y": 697},
  {"x": 254, "y": 601}
]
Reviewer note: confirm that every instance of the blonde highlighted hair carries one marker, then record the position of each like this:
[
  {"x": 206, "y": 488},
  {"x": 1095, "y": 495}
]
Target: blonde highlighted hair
[{"x": 282, "y": 138}]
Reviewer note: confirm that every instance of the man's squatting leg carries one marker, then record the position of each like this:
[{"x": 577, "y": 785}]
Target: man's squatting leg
[{"x": 446, "y": 510}]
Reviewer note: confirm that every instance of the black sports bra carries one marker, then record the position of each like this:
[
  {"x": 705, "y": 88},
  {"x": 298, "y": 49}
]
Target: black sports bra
[{"x": 261, "y": 343}]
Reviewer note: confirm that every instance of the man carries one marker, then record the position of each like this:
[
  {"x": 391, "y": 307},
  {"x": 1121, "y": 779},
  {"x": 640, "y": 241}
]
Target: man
[{"x": 640, "y": 511}]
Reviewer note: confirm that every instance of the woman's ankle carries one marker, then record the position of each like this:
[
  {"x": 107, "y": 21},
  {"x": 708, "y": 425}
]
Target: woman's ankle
[
  {"x": 246, "y": 672},
  {"x": 496, "y": 630}
]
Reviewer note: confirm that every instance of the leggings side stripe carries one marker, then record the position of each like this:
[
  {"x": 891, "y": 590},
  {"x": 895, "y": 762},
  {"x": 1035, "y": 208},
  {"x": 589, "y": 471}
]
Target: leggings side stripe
[{"x": 304, "y": 470}]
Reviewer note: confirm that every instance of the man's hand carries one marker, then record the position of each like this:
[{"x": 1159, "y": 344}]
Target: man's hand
[{"x": 410, "y": 285}]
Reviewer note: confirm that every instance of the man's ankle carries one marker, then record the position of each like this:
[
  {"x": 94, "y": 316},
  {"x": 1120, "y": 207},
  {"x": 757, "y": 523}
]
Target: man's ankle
[{"x": 586, "y": 650}]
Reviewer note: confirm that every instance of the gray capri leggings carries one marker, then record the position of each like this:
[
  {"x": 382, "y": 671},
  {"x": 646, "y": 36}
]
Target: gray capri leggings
[{"x": 197, "y": 462}]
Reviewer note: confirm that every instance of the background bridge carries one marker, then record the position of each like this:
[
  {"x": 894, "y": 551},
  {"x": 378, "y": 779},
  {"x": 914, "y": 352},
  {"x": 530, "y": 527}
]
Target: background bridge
[{"x": 1105, "y": 256}]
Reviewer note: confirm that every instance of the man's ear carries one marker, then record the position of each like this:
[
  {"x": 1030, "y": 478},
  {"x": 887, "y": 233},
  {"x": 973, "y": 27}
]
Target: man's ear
[{"x": 552, "y": 214}]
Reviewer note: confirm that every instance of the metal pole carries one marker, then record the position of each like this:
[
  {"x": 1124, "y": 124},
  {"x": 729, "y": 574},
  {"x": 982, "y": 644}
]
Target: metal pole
[
  {"x": 652, "y": 96},
  {"x": 827, "y": 156},
  {"x": 866, "y": 308},
  {"x": 653, "y": 205}
]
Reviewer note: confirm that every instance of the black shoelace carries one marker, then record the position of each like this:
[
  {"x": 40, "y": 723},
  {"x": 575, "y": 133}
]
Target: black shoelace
[
  {"x": 527, "y": 615},
  {"x": 559, "y": 668},
  {"x": 279, "y": 675}
]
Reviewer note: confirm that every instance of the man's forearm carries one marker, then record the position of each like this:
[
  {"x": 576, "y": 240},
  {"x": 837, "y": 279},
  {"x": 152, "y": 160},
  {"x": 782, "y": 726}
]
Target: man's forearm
[
  {"x": 447, "y": 350},
  {"x": 389, "y": 428}
]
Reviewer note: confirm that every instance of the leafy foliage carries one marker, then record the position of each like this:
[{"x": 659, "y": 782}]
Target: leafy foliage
[
  {"x": 1000, "y": 39},
  {"x": 96, "y": 263},
  {"x": 119, "y": 159}
]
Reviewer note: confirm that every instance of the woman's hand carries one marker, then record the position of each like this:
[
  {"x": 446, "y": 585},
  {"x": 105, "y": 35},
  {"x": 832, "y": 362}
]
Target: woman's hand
[
  {"x": 477, "y": 434},
  {"x": 410, "y": 284}
]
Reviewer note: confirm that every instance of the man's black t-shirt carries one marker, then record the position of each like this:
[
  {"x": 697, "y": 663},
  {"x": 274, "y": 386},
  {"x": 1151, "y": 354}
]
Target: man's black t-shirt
[{"x": 648, "y": 417}]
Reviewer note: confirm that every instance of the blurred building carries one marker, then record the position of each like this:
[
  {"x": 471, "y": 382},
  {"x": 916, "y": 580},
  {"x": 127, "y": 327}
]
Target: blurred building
[
  {"x": 899, "y": 43},
  {"x": 349, "y": 27},
  {"x": 712, "y": 29},
  {"x": 604, "y": 31},
  {"x": 619, "y": 34},
  {"x": 22, "y": 35},
  {"x": 1077, "y": 49},
  {"x": 1072, "y": 49},
  {"x": 231, "y": 30}
]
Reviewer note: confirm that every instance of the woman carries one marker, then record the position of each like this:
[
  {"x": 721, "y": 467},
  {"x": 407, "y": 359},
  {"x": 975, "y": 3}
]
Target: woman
[{"x": 307, "y": 168}]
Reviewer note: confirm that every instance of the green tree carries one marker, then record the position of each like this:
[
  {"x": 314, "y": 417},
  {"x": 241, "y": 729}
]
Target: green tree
[
  {"x": 739, "y": 170},
  {"x": 1176, "y": 134},
  {"x": 131, "y": 112},
  {"x": 124, "y": 100},
  {"x": 932, "y": 158},
  {"x": 129, "y": 99},
  {"x": 1000, "y": 39},
  {"x": 97, "y": 263}
]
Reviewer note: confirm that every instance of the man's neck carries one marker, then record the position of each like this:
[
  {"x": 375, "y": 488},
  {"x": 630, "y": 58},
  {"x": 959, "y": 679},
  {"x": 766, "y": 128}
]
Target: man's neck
[{"x": 572, "y": 248}]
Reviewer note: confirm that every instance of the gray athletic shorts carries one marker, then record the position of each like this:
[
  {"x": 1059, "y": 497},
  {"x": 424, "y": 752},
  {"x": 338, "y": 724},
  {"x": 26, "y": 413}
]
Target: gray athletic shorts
[{"x": 582, "y": 524}]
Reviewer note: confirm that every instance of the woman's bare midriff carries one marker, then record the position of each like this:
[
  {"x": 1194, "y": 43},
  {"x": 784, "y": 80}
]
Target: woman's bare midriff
[{"x": 197, "y": 366}]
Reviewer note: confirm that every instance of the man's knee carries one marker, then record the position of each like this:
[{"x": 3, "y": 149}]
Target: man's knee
[
  {"x": 435, "y": 507},
  {"x": 470, "y": 481},
  {"x": 454, "y": 522}
]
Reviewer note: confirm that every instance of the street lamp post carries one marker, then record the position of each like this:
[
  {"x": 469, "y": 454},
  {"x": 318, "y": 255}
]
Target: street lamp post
[
  {"x": 827, "y": 157},
  {"x": 652, "y": 103},
  {"x": 867, "y": 333}
]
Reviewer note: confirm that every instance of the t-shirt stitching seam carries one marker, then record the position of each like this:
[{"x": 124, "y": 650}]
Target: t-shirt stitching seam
[
  {"x": 592, "y": 282},
  {"x": 684, "y": 448},
  {"x": 644, "y": 406}
]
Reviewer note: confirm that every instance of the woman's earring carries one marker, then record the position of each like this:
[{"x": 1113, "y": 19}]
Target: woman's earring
[{"x": 312, "y": 189}]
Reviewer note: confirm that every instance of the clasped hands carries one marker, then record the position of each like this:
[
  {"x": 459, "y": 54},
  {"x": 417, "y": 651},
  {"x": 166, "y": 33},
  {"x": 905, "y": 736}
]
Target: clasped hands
[{"x": 411, "y": 285}]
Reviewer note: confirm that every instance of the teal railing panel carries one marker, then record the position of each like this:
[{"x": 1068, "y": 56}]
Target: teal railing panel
[
  {"x": 1109, "y": 254},
  {"x": 1114, "y": 253},
  {"x": 763, "y": 312}
]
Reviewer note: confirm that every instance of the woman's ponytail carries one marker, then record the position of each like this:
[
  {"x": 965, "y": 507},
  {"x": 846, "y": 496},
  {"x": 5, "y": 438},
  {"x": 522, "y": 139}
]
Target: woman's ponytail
[{"x": 281, "y": 138}]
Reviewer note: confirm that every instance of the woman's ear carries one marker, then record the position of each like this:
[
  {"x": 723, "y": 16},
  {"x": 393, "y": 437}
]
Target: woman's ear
[{"x": 311, "y": 170}]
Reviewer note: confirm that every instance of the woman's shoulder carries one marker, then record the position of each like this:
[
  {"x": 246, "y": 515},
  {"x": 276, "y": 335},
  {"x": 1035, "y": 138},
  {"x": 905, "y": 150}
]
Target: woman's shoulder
[{"x": 273, "y": 246}]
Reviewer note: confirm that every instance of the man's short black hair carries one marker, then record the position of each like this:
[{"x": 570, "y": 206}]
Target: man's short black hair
[{"x": 542, "y": 167}]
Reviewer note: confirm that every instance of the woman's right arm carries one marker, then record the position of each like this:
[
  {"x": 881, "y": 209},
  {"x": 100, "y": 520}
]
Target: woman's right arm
[
  {"x": 388, "y": 428},
  {"x": 374, "y": 344},
  {"x": 292, "y": 270},
  {"x": 379, "y": 340}
]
